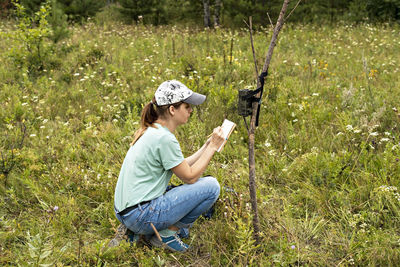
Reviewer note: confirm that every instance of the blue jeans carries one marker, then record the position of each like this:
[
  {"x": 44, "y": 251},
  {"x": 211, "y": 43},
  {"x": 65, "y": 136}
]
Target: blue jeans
[{"x": 180, "y": 207}]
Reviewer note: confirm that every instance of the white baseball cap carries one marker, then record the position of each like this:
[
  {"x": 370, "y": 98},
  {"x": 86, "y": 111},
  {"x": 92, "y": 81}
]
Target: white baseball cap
[{"x": 171, "y": 92}]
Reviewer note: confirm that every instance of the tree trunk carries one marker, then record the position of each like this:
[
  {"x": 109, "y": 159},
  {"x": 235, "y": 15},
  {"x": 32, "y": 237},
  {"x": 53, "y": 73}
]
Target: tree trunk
[
  {"x": 217, "y": 12},
  {"x": 4, "y": 6},
  {"x": 252, "y": 164},
  {"x": 207, "y": 20}
]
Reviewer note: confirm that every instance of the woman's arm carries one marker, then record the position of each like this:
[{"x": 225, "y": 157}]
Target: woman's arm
[
  {"x": 191, "y": 173},
  {"x": 193, "y": 158}
]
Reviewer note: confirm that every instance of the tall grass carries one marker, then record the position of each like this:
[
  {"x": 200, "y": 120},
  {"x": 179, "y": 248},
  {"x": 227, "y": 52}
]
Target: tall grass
[{"x": 327, "y": 148}]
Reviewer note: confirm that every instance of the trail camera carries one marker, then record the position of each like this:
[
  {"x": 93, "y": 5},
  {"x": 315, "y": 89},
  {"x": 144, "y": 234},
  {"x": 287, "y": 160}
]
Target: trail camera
[
  {"x": 245, "y": 105},
  {"x": 247, "y": 97}
]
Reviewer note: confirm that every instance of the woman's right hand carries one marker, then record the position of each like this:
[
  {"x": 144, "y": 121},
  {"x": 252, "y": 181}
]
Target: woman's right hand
[
  {"x": 190, "y": 171},
  {"x": 217, "y": 138}
]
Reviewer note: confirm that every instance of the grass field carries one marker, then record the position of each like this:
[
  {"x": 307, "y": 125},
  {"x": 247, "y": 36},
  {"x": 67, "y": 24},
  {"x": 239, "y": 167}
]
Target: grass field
[{"x": 327, "y": 148}]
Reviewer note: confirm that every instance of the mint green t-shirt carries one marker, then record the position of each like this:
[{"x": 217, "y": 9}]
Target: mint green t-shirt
[{"x": 146, "y": 170}]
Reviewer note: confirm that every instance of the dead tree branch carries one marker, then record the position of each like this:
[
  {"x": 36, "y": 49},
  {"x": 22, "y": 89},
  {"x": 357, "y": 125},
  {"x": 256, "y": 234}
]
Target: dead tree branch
[
  {"x": 270, "y": 20},
  {"x": 251, "y": 132},
  {"x": 298, "y": 2}
]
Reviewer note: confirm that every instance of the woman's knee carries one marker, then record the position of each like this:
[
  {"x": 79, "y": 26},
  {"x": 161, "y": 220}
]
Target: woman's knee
[{"x": 212, "y": 184}]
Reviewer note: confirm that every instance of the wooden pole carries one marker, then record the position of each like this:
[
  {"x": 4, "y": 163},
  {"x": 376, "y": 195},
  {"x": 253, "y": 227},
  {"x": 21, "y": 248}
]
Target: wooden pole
[
  {"x": 156, "y": 232},
  {"x": 251, "y": 132}
]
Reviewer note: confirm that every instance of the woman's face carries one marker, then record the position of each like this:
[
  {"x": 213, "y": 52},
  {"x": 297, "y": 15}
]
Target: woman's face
[{"x": 182, "y": 113}]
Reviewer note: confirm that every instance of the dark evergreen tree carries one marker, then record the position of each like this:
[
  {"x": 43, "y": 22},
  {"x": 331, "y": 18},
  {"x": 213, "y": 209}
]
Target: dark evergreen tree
[
  {"x": 148, "y": 11},
  {"x": 58, "y": 22},
  {"x": 78, "y": 10},
  {"x": 31, "y": 6},
  {"x": 235, "y": 11},
  {"x": 383, "y": 10}
]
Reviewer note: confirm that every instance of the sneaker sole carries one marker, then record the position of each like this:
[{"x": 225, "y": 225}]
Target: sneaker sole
[
  {"x": 157, "y": 243},
  {"x": 119, "y": 236}
]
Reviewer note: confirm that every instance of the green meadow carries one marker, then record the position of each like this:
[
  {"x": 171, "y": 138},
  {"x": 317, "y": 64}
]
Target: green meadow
[{"x": 327, "y": 147}]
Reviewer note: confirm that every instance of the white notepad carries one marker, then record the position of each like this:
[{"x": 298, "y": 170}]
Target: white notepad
[{"x": 227, "y": 127}]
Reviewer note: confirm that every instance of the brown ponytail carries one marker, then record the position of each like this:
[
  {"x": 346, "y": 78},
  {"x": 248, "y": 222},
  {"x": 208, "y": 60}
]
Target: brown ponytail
[{"x": 150, "y": 113}]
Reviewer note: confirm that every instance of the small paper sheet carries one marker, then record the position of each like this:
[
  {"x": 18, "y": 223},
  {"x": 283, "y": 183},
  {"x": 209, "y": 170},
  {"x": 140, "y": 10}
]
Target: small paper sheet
[{"x": 227, "y": 127}]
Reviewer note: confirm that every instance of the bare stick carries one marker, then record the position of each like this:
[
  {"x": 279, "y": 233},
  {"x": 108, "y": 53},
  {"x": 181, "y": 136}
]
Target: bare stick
[
  {"x": 23, "y": 130},
  {"x": 252, "y": 164},
  {"x": 270, "y": 21},
  {"x": 246, "y": 23},
  {"x": 231, "y": 58},
  {"x": 252, "y": 46},
  {"x": 173, "y": 46},
  {"x": 156, "y": 232},
  {"x": 293, "y": 9}
]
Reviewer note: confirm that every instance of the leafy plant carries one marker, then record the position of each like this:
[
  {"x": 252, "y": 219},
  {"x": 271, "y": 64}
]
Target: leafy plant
[
  {"x": 41, "y": 251},
  {"x": 30, "y": 50},
  {"x": 11, "y": 145}
]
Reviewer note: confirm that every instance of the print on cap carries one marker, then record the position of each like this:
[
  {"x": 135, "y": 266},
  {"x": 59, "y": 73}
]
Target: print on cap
[{"x": 171, "y": 92}]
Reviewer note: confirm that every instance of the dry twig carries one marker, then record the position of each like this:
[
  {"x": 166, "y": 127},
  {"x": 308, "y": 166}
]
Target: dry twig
[{"x": 251, "y": 132}]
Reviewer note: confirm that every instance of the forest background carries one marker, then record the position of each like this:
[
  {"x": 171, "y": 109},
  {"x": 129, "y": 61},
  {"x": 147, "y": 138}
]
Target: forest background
[
  {"x": 74, "y": 76},
  {"x": 229, "y": 13}
]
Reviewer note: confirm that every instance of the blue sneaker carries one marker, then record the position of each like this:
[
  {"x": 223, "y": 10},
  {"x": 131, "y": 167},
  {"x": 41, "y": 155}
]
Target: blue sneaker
[
  {"x": 183, "y": 232},
  {"x": 173, "y": 243},
  {"x": 132, "y": 237}
]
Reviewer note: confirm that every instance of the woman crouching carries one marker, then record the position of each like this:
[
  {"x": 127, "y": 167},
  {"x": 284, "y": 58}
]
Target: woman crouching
[{"x": 141, "y": 201}]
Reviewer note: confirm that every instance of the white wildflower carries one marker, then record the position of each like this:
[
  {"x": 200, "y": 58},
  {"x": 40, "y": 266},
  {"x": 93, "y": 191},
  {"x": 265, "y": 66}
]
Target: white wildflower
[
  {"x": 314, "y": 149},
  {"x": 371, "y": 146}
]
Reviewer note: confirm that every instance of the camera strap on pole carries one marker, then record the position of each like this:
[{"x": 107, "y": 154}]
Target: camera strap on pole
[
  {"x": 261, "y": 78},
  {"x": 248, "y": 97}
]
